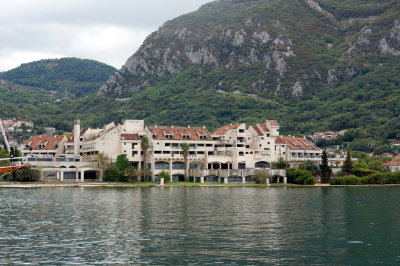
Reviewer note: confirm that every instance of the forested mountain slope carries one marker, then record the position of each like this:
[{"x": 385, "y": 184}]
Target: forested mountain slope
[{"x": 72, "y": 76}]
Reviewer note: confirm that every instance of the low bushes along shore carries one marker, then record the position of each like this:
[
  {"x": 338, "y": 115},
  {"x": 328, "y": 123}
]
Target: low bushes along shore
[{"x": 377, "y": 178}]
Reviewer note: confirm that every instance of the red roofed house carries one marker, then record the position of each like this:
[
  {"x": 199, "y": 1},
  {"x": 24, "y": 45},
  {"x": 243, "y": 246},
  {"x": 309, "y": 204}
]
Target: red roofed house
[
  {"x": 43, "y": 146},
  {"x": 393, "y": 166}
]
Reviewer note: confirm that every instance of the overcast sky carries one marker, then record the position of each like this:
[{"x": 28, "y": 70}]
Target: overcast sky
[{"x": 105, "y": 30}]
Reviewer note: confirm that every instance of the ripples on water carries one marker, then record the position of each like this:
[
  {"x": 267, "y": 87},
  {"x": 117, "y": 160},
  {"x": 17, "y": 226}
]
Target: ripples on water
[{"x": 352, "y": 226}]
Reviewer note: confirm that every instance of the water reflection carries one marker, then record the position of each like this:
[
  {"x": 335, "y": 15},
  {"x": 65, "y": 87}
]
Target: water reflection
[{"x": 200, "y": 226}]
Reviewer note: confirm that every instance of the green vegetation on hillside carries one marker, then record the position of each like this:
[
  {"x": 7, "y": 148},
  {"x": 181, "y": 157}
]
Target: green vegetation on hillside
[{"x": 72, "y": 76}]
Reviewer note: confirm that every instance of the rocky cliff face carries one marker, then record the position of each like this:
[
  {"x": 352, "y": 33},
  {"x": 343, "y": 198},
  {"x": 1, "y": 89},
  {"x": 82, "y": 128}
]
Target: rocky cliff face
[{"x": 288, "y": 48}]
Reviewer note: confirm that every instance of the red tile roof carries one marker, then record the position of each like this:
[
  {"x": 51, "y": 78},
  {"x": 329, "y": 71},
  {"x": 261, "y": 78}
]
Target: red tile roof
[
  {"x": 393, "y": 163},
  {"x": 299, "y": 143},
  {"x": 49, "y": 142},
  {"x": 194, "y": 133},
  {"x": 224, "y": 129},
  {"x": 71, "y": 138},
  {"x": 130, "y": 137},
  {"x": 273, "y": 123},
  {"x": 102, "y": 133},
  {"x": 264, "y": 127},
  {"x": 258, "y": 131},
  {"x": 279, "y": 140}
]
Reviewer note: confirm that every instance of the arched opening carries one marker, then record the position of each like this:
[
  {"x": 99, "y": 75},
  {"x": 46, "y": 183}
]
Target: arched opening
[
  {"x": 248, "y": 179},
  {"x": 178, "y": 178},
  {"x": 211, "y": 179},
  {"x": 214, "y": 165},
  {"x": 196, "y": 165},
  {"x": 160, "y": 165},
  {"x": 262, "y": 164},
  {"x": 234, "y": 179},
  {"x": 242, "y": 165},
  {"x": 178, "y": 166},
  {"x": 226, "y": 166}
]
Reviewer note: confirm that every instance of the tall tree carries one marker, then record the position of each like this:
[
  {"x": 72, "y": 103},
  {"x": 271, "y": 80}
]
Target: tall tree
[
  {"x": 101, "y": 161},
  {"x": 185, "y": 152},
  {"x": 280, "y": 164},
  {"x": 145, "y": 145},
  {"x": 347, "y": 167},
  {"x": 324, "y": 167}
]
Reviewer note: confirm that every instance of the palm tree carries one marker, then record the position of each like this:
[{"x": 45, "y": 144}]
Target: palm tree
[
  {"x": 280, "y": 164},
  {"x": 145, "y": 145},
  {"x": 185, "y": 152},
  {"x": 132, "y": 173}
]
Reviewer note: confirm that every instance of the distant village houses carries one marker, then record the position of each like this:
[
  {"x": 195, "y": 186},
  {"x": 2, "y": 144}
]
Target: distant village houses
[
  {"x": 326, "y": 135},
  {"x": 16, "y": 125}
]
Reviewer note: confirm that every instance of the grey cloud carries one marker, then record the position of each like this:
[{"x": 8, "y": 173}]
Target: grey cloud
[{"x": 51, "y": 27}]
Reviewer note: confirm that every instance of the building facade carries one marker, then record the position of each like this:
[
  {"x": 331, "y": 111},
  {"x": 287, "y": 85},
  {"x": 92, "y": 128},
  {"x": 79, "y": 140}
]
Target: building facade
[{"x": 231, "y": 153}]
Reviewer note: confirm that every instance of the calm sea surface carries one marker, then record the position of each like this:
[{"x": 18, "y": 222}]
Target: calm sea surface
[{"x": 204, "y": 226}]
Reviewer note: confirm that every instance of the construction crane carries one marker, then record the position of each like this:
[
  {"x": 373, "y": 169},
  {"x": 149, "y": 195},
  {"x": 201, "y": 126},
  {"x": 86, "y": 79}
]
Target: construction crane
[
  {"x": 3, "y": 132},
  {"x": 8, "y": 169}
]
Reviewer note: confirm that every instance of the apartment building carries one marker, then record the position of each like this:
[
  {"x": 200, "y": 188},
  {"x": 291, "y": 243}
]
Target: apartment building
[{"x": 231, "y": 153}]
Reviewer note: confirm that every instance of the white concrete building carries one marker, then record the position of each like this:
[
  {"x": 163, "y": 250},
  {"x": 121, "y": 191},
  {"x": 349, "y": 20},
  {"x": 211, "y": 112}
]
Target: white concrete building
[{"x": 230, "y": 154}]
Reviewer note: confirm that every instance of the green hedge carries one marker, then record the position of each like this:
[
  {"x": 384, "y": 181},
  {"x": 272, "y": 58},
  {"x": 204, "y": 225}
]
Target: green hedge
[
  {"x": 347, "y": 180},
  {"x": 301, "y": 177},
  {"x": 377, "y": 178}
]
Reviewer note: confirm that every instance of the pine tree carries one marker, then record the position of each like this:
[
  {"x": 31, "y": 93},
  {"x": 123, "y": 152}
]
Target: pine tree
[
  {"x": 347, "y": 167},
  {"x": 324, "y": 167}
]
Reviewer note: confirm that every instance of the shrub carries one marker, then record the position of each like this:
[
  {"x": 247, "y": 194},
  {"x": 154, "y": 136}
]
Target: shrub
[
  {"x": 299, "y": 176},
  {"x": 165, "y": 175},
  {"x": 112, "y": 174},
  {"x": 260, "y": 177},
  {"x": 27, "y": 175},
  {"x": 384, "y": 178},
  {"x": 348, "y": 180}
]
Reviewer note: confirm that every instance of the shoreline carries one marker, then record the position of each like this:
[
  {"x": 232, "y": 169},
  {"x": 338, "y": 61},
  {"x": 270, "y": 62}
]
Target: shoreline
[{"x": 118, "y": 185}]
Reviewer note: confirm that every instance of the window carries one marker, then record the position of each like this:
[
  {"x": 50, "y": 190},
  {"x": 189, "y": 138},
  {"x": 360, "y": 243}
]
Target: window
[
  {"x": 241, "y": 130},
  {"x": 178, "y": 165},
  {"x": 161, "y": 166},
  {"x": 241, "y": 153},
  {"x": 157, "y": 152},
  {"x": 134, "y": 153},
  {"x": 262, "y": 165}
]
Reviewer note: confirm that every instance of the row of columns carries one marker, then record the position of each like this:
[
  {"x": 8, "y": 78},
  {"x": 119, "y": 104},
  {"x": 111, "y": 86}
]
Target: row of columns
[{"x": 60, "y": 175}]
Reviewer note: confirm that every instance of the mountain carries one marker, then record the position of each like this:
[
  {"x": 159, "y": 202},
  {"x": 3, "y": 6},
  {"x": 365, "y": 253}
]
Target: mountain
[
  {"x": 267, "y": 47},
  {"x": 313, "y": 65},
  {"x": 72, "y": 76}
]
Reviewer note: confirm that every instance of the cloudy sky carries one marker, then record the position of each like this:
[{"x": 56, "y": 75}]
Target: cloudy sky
[{"x": 105, "y": 30}]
